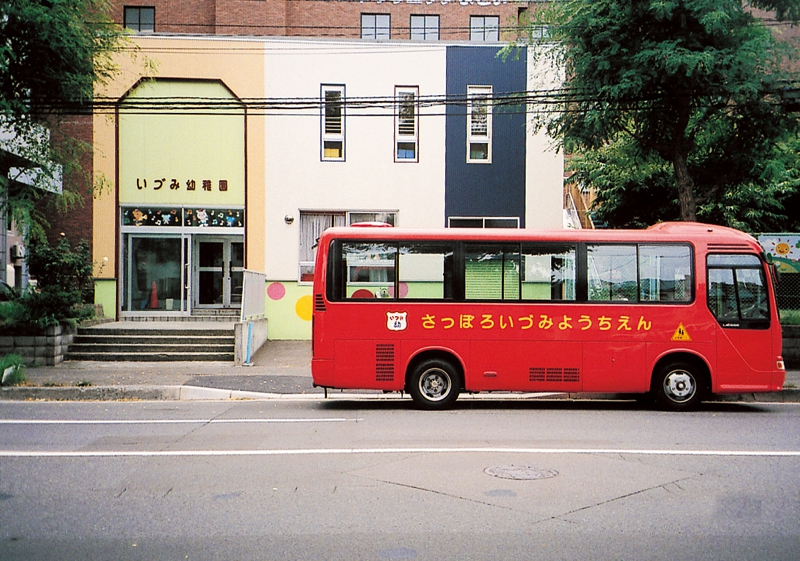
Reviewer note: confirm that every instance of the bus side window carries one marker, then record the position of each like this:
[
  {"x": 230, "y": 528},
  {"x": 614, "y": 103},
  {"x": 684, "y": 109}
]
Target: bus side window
[
  {"x": 612, "y": 273},
  {"x": 737, "y": 290},
  {"x": 722, "y": 294},
  {"x": 491, "y": 272},
  {"x": 425, "y": 270},
  {"x": 548, "y": 272},
  {"x": 665, "y": 273},
  {"x": 369, "y": 269}
]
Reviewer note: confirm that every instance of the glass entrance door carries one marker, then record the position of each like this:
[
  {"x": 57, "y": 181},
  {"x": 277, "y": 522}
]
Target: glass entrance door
[
  {"x": 219, "y": 272},
  {"x": 153, "y": 274}
]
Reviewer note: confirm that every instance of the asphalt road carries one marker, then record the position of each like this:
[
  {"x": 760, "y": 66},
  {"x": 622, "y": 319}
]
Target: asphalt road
[{"x": 368, "y": 480}]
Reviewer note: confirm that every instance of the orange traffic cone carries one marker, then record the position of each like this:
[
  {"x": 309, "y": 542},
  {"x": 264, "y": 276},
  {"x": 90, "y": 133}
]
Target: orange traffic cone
[{"x": 153, "y": 297}]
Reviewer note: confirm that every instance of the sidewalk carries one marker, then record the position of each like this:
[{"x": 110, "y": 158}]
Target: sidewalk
[{"x": 280, "y": 369}]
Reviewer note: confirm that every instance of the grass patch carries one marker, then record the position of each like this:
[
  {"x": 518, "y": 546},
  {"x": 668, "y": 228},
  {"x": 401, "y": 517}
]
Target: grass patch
[{"x": 12, "y": 370}]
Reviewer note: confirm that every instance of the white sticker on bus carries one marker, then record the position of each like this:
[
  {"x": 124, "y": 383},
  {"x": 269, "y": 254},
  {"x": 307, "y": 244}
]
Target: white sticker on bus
[{"x": 396, "y": 321}]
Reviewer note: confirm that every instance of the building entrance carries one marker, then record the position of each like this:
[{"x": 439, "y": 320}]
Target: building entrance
[
  {"x": 179, "y": 273},
  {"x": 219, "y": 272}
]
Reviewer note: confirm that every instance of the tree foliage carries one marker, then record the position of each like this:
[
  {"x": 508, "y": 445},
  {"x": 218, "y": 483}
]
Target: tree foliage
[
  {"x": 674, "y": 108},
  {"x": 52, "y": 54}
]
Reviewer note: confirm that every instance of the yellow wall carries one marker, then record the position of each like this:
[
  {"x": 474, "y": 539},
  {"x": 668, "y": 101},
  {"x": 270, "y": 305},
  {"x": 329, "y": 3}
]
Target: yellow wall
[
  {"x": 177, "y": 154},
  {"x": 289, "y": 306},
  {"x": 238, "y": 64}
]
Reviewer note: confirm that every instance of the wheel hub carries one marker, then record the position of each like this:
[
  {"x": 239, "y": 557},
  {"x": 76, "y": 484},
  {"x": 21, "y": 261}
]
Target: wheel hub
[
  {"x": 679, "y": 385},
  {"x": 434, "y": 385}
]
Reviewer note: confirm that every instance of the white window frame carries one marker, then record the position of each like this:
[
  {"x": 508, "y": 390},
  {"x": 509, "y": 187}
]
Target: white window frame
[
  {"x": 330, "y": 133},
  {"x": 406, "y": 127},
  {"x": 484, "y": 29},
  {"x": 479, "y": 130},
  {"x": 424, "y": 27},
  {"x": 373, "y": 27},
  {"x": 313, "y": 222}
]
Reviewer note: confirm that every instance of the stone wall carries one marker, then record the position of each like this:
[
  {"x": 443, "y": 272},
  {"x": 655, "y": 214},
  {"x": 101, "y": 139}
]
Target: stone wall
[{"x": 47, "y": 349}]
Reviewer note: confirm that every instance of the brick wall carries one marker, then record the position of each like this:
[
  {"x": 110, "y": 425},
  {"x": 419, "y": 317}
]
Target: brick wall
[
  {"x": 249, "y": 17},
  {"x": 76, "y": 222},
  {"x": 315, "y": 18},
  {"x": 343, "y": 19}
]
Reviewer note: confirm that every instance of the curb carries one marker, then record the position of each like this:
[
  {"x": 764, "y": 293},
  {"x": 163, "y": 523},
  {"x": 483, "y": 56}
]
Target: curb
[{"x": 196, "y": 393}]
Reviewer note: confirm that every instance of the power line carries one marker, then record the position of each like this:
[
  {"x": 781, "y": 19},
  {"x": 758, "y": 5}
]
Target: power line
[{"x": 515, "y": 102}]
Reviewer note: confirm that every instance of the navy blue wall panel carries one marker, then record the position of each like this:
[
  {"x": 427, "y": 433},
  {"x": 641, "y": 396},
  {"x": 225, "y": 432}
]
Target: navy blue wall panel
[{"x": 496, "y": 189}]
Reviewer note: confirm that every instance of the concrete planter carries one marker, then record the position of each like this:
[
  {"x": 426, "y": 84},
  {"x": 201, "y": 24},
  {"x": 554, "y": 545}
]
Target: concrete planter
[
  {"x": 791, "y": 346},
  {"x": 45, "y": 349}
]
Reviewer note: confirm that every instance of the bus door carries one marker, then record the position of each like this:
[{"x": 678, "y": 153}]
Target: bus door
[
  {"x": 524, "y": 337},
  {"x": 738, "y": 297},
  {"x": 630, "y": 289}
]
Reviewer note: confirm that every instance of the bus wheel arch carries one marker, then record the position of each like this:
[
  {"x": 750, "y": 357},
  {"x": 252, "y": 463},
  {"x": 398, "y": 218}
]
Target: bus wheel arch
[
  {"x": 434, "y": 379},
  {"x": 680, "y": 381}
]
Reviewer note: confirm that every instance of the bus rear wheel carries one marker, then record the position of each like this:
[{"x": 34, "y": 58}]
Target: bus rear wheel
[
  {"x": 678, "y": 386},
  {"x": 434, "y": 384}
]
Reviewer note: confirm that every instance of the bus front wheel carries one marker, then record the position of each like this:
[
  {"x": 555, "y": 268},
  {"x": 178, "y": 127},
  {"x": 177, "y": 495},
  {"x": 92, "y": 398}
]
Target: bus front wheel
[
  {"x": 678, "y": 386},
  {"x": 434, "y": 384}
]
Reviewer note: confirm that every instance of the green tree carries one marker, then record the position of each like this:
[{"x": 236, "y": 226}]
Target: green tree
[
  {"x": 52, "y": 54},
  {"x": 674, "y": 106},
  {"x": 63, "y": 282}
]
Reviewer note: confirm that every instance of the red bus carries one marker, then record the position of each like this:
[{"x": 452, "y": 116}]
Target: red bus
[{"x": 677, "y": 311}]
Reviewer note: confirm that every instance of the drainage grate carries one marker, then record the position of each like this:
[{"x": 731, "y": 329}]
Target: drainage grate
[{"x": 520, "y": 472}]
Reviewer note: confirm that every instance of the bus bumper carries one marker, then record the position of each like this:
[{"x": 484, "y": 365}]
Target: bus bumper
[{"x": 322, "y": 372}]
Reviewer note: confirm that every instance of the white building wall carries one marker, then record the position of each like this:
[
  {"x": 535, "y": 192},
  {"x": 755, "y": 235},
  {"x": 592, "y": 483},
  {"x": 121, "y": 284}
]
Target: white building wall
[
  {"x": 369, "y": 179},
  {"x": 544, "y": 166}
]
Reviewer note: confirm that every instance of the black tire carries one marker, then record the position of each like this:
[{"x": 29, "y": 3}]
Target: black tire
[
  {"x": 434, "y": 384},
  {"x": 678, "y": 386}
]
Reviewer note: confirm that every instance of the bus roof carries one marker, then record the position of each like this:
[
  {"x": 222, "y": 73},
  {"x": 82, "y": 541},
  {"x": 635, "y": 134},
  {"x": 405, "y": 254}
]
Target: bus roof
[{"x": 714, "y": 236}]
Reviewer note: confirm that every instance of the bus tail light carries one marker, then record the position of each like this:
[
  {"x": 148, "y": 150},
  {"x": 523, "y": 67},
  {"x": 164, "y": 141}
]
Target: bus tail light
[{"x": 781, "y": 365}]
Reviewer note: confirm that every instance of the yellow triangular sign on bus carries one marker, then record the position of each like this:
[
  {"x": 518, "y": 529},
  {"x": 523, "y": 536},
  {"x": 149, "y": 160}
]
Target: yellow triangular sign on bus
[{"x": 681, "y": 334}]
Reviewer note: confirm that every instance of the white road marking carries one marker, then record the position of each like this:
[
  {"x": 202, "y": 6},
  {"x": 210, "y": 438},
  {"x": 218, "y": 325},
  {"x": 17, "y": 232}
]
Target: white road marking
[
  {"x": 165, "y": 421},
  {"x": 357, "y": 451}
]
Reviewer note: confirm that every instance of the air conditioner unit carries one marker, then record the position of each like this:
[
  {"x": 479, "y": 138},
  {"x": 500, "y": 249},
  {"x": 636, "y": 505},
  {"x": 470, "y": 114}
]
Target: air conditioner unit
[{"x": 17, "y": 252}]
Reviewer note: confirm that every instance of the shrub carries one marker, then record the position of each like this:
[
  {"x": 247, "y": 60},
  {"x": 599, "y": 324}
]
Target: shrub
[
  {"x": 790, "y": 317},
  {"x": 63, "y": 282}
]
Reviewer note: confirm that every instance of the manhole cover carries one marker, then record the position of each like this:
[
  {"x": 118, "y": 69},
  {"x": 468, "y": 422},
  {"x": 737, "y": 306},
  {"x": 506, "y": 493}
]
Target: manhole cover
[{"x": 520, "y": 472}]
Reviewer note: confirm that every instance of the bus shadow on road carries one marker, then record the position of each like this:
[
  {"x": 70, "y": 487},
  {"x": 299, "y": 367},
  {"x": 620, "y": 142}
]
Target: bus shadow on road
[{"x": 340, "y": 404}]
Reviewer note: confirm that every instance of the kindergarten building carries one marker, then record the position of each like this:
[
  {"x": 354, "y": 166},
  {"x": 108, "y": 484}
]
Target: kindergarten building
[{"x": 226, "y": 154}]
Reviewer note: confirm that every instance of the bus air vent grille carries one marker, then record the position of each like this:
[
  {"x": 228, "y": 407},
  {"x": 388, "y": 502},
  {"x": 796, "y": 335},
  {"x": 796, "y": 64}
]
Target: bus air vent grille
[
  {"x": 319, "y": 303},
  {"x": 569, "y": 375},
  {"x": 728, "y": 246},
  {"x": 384, "y": 362}
]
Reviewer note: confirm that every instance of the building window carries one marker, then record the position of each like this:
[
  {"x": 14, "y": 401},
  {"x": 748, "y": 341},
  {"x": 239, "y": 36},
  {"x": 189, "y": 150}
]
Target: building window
[
  {"x": 479, "y": 124},
  {"x": 332, "y": 126},
  {"x": 484, "y": 28},
  {"x": 313, "y": 223},
  {"x": 482, "y": 222},
  {"x": 140, "y": 19},
  {"x": 424, "y": 28},
  {"x": 375, "y": 26},
  {"x": 406, "y": 128}
]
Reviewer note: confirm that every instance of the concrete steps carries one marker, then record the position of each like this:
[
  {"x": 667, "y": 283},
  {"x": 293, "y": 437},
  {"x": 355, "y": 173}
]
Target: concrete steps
[{"x": 154, "y": 342}]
